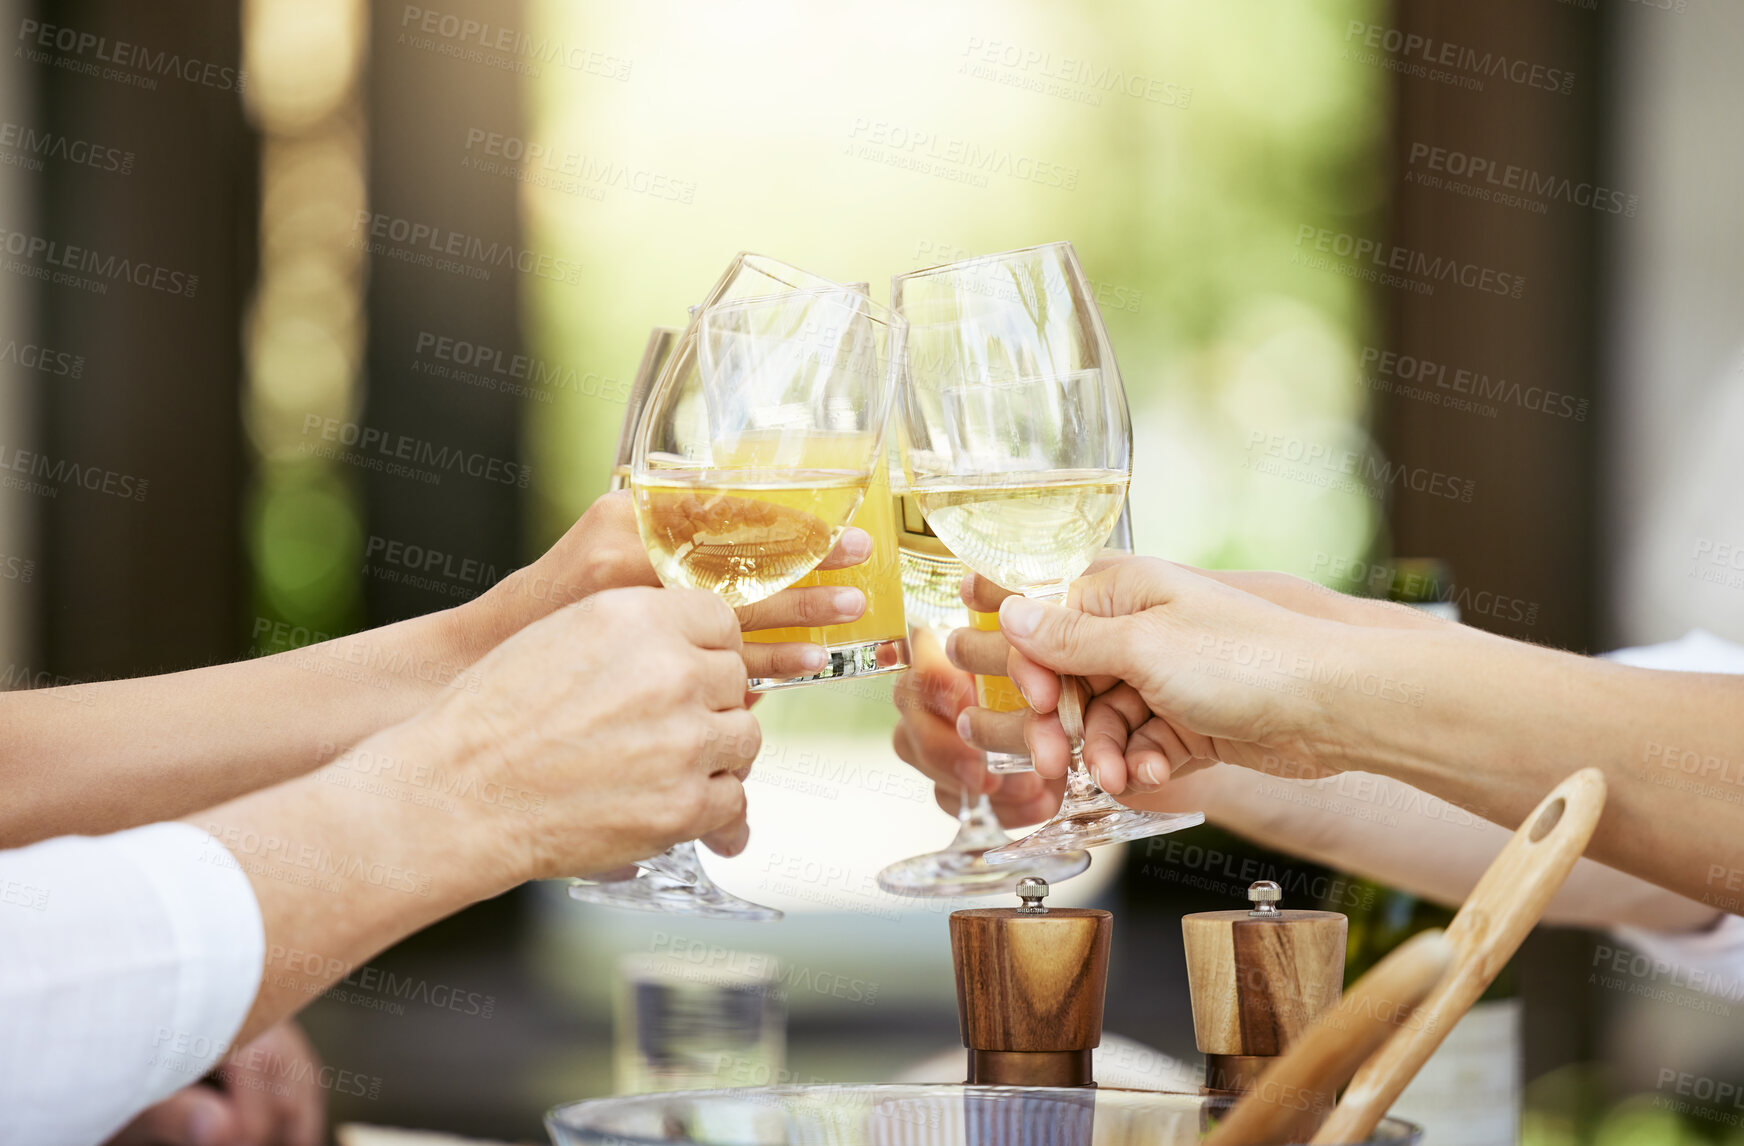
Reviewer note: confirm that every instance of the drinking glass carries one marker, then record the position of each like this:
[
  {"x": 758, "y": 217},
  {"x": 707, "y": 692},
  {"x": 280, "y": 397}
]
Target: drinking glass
[
  {"x": 878, "y": 641},
  {"x": 1017, "y": 446},
  {"x": 675, "y": 881},
  {"x": 756, "y": 449},
  {"x": 997, "y": 693},
  {"x": 672, "y": 882},
  {"x": 930, "y": 580}
]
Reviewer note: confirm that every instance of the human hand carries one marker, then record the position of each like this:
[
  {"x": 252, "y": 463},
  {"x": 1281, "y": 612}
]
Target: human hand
[
  {"x": 603, "y": 550},
  {"x": 255, "y": 1099},
  {"x": 1174, "y": 689},
  {"x": 930, "y": 699},
  {"x": 620, "y": 721}
]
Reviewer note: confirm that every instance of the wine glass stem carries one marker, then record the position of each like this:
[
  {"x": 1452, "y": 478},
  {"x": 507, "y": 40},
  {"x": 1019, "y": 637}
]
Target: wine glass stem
[{"x": 1080, "y": 785}]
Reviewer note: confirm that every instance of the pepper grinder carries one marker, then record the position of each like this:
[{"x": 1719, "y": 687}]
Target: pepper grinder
[
  {"x": 1030, "y": 983},
  {"x": 1258, "y": 978}
]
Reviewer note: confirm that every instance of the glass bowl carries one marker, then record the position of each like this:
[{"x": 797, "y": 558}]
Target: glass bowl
[{"x": 902, "y": 1116}]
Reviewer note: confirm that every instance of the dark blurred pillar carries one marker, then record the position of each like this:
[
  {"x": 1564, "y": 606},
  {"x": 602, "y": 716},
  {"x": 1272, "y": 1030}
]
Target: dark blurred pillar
[
  {"x": 1528, "y": 533},
  {"x": 442, "y": 340},
  {"x": 129, "y": 585}
]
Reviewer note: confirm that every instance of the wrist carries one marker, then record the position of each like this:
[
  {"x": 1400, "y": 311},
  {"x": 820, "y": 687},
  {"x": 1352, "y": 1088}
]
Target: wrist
[{"x": 429, "y": 768}]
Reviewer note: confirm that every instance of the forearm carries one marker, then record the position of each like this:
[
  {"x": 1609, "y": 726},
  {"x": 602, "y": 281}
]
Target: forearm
[
  {"x": 341, "y": 873},
  {"x": 1499, "y": 723},
  {"x": 1380, "y": 829},
  {"x": 94, "y": 758}
]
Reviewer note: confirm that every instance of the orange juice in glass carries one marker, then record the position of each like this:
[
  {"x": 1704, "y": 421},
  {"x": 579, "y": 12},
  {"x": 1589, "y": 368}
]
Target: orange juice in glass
[
  {"x": 878, "y": 641},
  {"x": 998, "y": 694}
]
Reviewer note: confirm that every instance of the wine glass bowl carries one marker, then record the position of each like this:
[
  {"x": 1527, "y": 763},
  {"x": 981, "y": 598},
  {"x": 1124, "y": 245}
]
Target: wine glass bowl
[
  {"x": 748, "y": 467},
  {"x": 1017, "y": 446}
]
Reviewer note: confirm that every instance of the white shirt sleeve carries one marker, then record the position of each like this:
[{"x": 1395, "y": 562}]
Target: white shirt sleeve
[
  {"x": 127, "y": 964},
  {"x": 1710, "y": 961}
]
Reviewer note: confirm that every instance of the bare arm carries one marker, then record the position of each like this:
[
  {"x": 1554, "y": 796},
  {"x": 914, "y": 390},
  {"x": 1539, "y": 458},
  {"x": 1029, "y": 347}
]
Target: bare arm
[
  {"x": 95, "y": 758},
  {"x": 598, "y": 736},
  {"x": 1382, "y": 830},
  {"x": 1196, "y": 671}
]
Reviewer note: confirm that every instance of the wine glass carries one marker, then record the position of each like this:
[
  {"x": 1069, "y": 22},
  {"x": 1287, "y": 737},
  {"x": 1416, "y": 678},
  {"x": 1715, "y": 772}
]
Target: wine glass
[
  {"x": 1017, "y": 446},
  {"x": 675, "y": 881},
  {"x": 654, "y": 885},
  {"x": 754, "y": 453}
]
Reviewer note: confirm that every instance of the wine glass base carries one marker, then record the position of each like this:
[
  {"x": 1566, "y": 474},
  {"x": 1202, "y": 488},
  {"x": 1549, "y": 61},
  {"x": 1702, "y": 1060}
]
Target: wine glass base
[
  {"x": 1098, "y": 820},
  {"x": 860, "y": 659},
  {"x": 947, "y": 874},
  {"x": 652, "y": 891}
]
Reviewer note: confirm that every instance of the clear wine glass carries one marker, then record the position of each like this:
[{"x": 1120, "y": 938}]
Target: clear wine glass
[
  {"x": 675, "y": 881},
  {"x": 753, "y": 454},
  {"x": 1017, "y": 446}
]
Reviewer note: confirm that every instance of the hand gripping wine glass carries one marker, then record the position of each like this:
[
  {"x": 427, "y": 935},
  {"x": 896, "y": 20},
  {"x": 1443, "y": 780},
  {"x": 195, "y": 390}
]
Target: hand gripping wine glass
[
  {"x": 930, "y": 580},
  {"x": 755, "y": 451},
  {"x": 675, "y": 881},
  {"x": 1017, "y": 446}
]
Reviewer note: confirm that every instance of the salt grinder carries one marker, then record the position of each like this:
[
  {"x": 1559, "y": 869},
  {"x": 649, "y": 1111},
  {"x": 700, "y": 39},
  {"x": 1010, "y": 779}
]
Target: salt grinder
[
  {"x": 1030, "y": 982},
  {"x": 1258, "y": 978}
]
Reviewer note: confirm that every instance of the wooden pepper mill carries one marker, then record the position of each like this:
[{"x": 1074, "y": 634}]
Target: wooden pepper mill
[
  {"x": 1258, "y": 978},
  {"x": 1030, "y": 982}
]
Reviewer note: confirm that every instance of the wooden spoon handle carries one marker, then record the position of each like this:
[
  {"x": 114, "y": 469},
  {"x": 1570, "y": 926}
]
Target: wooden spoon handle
[
  {"x": 1501, "y": 910},
  {"x": 1297, "y": 1089}
]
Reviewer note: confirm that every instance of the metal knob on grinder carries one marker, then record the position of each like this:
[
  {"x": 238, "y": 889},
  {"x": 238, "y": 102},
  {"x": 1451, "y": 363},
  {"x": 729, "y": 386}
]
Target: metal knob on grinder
[
  {"x": 1030, "y": 986},
  {"x": 1258, "y": 978}
]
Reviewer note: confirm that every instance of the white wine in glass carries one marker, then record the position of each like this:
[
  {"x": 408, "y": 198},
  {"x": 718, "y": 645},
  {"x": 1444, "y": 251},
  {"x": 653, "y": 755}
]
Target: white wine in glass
[
  {"x": 1036, "y": 529},
  {"x": 1017, "y": 445},
  {"x": 757, "y": 446}
]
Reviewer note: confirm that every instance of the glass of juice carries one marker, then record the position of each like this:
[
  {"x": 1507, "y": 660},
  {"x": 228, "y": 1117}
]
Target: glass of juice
[{"x": 878, "y": 641}]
